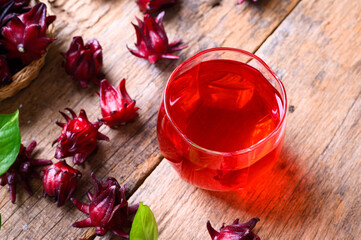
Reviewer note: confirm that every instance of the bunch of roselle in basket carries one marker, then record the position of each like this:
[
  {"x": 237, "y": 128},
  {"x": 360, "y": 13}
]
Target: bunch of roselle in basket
[{"x": 23, "y": 36}]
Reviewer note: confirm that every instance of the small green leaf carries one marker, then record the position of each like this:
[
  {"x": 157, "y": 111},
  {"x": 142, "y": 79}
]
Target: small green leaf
[
  {"x": 144, "y": 226},
  {"x": 9, "y": 140}
]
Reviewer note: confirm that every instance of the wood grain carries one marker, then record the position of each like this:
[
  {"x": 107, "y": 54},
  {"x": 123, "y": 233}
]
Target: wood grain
[
  {"x": 132, "y": 152},
  {"x": 314, "y": 190}
]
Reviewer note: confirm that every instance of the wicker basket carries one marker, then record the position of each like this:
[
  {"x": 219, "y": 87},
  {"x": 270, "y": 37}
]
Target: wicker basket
[{"x": 24, "y": 77}]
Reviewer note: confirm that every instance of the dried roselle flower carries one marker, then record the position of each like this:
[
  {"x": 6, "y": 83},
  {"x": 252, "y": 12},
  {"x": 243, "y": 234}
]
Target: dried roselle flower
[
  {"x": 22, "y": 170},
  {"x": 60, "y": 181},
  {"x": 24, "y": 36},
  {"x": 108, "y": 209},
  {"x": 37, "y": 15},
  {"x": 84, "y": 62},
  {"x": 78, "y": 138},
  {"x": 5, "y": 75},
  {"x": 116, "y": 105},
  {"x": 235, "y": 231},
  {"x": 150, "y": 6},
  {"x": 11, "y": 8},
  {"x": 152, "y": 41}
]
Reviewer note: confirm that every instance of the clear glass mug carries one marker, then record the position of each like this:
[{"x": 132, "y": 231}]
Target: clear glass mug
[{"x": 208, "y": 168}]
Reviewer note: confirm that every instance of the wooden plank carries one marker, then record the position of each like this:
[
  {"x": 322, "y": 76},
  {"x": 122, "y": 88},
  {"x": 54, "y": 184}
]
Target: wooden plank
[
  {"x": 132, "y": 152},
  {"x": 313, "y": 192}
]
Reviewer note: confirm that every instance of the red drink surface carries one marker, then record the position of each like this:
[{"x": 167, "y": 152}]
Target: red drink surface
[{"x": 223, "y": 106}]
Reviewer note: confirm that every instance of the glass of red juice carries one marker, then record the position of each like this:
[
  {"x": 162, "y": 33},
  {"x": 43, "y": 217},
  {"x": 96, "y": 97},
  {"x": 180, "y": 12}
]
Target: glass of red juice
[{"x": 222, "y": 120}]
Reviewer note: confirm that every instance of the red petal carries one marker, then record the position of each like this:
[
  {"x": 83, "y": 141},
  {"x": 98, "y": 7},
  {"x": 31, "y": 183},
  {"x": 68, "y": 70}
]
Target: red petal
[
  {"x": 124, "y": 94},
  {"x": 81, "y": 206},
  {"x": 170, "y": 56},
  {"x": 211, "y": 230},
  {"x": 110, "y": 99},
  {"x": 30, "y": 148},
  {"x": 67, "y": 118},
  {"x": 101, "y": 208},
  {"x": 82, "y": 224},
  {"x": 102, "y": 137}
]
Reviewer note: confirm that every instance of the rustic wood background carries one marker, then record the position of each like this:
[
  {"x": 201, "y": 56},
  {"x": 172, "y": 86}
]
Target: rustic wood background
[{"x": 314, "y": 190}]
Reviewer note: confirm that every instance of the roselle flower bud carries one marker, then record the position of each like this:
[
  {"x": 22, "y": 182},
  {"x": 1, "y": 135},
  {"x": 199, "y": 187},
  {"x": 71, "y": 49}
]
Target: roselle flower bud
[
  {"x": 60, "y": 181},
  {"x": 235, "y": 231},
  {"x": 116, "y": 105},
  {"x": 22, "y": 170},
  {"x": 5, "y": 75},
  {"x": 152, "y": 41},
  {"x": 150, "y": 6},
  {"x": 78, "y": 138},
  {"x": 24, "y": 36},
  {"x": 84, "y": 62},
  {"x": 108, "y": 209}
]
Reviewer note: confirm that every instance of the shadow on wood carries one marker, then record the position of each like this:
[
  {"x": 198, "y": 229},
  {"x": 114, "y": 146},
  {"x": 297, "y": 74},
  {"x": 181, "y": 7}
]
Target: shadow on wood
[{"x": 282, "y": 191}]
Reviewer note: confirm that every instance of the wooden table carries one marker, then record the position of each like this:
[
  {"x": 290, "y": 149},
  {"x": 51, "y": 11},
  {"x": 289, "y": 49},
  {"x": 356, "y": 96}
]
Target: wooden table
[{"x": 313, "y": 192}]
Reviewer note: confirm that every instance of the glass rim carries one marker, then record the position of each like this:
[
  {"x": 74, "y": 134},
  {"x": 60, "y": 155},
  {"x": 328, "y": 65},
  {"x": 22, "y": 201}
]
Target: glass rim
[{"x": 244, "y": 150}]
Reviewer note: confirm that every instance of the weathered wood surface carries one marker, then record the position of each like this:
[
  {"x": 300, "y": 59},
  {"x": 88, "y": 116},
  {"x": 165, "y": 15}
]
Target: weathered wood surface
[
  {"x": 314, "y": 190},
  {"x": 132, "y": 153}
]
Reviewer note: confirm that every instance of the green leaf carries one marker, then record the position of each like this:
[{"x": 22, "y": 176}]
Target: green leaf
[
  {"x": 9, "y": 140},
  {"x": 144, "y": 226}
]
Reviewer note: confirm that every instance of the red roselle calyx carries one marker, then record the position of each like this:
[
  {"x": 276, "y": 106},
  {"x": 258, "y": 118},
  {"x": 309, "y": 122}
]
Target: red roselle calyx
[
  {"x": 152, "y": 41},
  {"x": 24, "y": 36},
  {"x": 22, "y": 170},
  {"x": 60, "y": 181},
  {"x": 5, "y": 75},
  {"x": 108, "y": 209},
  {"x": 84, "y": 62},
  {"x": 116, "y": 105},
  {"x": 235, "y": 231},
  {"x": 150, "y": 6},
  {"x": 78, "y": 138}
]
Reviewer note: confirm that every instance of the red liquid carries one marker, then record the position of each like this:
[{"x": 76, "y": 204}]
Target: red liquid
[{"x": 223, "y": 106}]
